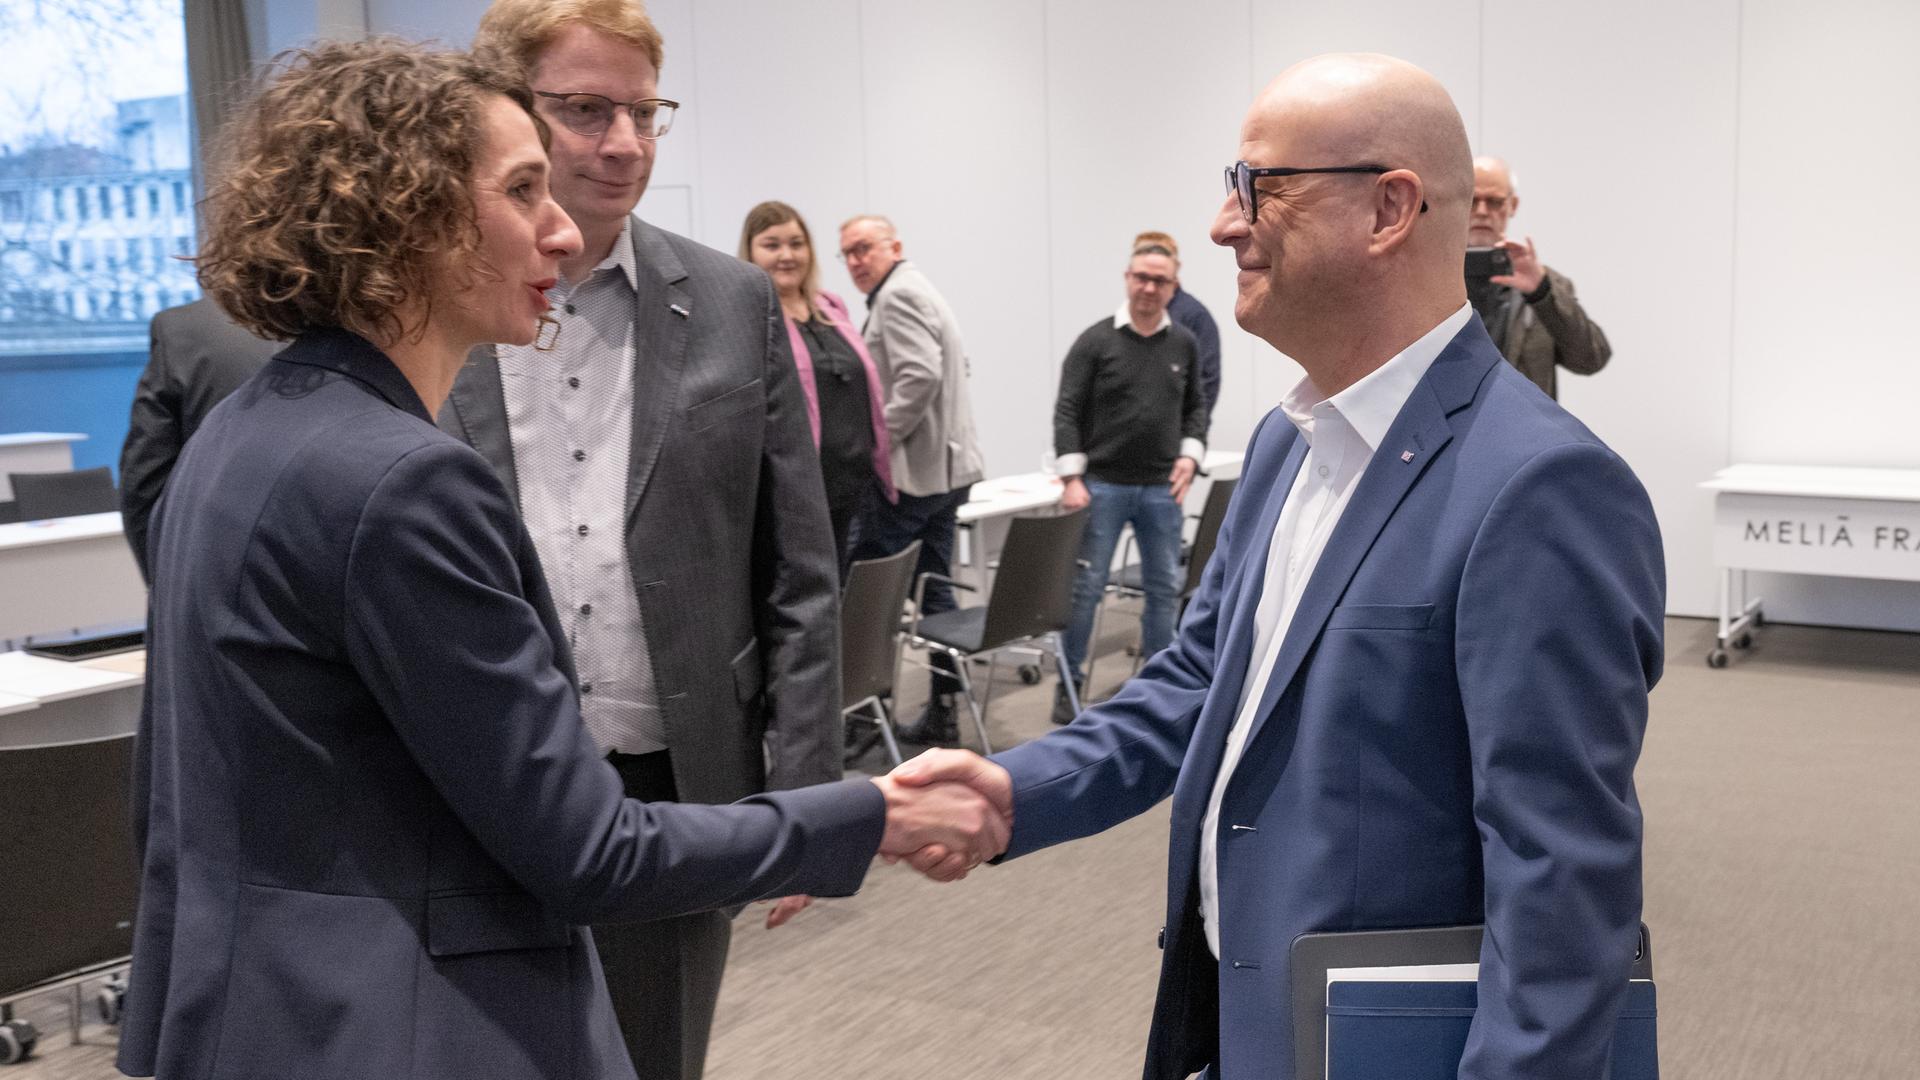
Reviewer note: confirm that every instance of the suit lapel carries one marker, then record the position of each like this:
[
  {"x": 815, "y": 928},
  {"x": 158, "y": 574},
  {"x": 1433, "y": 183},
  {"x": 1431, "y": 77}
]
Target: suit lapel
[
  {"x": 1422, "y": 428},
  {"x": 660, "y": 351},
  {"x": 480, "y": 403},
  {"x": 1233, "y": 665}
]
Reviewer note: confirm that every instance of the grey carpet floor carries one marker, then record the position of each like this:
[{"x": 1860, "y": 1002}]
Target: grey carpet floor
[{"x": 1783, "y": 891}]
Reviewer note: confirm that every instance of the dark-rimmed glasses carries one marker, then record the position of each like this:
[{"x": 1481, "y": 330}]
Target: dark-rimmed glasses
[
  {"x": 591, "y": 114},
  {"x": 1240, "y": 178}
]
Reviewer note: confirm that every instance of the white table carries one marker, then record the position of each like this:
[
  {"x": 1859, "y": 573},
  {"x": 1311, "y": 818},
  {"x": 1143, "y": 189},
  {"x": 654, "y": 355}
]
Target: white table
[
  {"x": 65, "y": 574},
  {"x": 1806, "y": 519},
  {"x": 992, "y": 503},
  {"x": 34, "y": 451},
  {"x": 56, "y": 701}
]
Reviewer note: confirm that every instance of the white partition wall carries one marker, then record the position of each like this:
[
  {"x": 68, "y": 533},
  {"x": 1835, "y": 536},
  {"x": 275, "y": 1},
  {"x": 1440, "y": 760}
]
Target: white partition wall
[
  {"x": 1722, "y": 180},
  {"x": 1825, "y": 366}
]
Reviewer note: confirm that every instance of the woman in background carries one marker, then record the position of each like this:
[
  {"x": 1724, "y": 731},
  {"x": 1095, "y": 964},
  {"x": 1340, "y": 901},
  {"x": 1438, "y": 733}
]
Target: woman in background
[{"x": 844, "y": 399}]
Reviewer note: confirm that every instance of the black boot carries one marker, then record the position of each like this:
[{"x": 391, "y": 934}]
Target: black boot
[
  {"x": 935, "y": 726},
  {"x": 1062, "y": 706}
]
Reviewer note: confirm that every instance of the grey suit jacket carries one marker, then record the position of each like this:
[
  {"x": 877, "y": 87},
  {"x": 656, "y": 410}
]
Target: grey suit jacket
[
  {"x": 1552, "y": 334},
  {"x": 727, "y": 533},
  {"x": 196, "y": 358},
  {"x": 915, "y": 342}
]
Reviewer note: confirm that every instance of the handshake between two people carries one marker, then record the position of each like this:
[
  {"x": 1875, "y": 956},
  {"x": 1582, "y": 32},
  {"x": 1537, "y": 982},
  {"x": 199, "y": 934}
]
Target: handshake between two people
[{"x": 948, "y": 811}]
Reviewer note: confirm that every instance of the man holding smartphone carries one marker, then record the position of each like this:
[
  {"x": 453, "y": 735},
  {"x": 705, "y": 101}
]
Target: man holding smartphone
[{"x": 1529, "y": 309}]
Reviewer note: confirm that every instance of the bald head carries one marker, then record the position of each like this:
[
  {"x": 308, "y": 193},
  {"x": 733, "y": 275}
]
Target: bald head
[
  {"x": 1329, "y": 252},
  {"x": 1370, "y": 109}
]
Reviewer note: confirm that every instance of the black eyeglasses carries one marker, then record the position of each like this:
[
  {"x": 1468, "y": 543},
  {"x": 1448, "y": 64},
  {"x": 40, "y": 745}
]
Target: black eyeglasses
[
  {"x": 1240, "y": 178},
  {"x": 591, "y": 114}
]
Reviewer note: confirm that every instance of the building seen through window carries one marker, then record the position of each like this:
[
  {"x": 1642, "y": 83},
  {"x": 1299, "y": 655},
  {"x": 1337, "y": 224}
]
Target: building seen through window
[{"x": 96, "y": 202}]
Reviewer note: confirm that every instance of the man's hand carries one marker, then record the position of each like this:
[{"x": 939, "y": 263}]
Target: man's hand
[
  {"x": 1182, "y": 477},
  {"x": 940, "y": 766},
  {"x": 966, "y": 828},
  {"x": 786, "y": 908},
  {"x": 1528, "y": 271},
  {"x": 1074, "y": 494}
]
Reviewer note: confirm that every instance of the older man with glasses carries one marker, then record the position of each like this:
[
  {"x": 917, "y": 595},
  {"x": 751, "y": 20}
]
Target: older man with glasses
[
  {"x": 1414, "y": 681},
  {"x": 657, "y": 441},
  {"x": 1129, "y": 429}
]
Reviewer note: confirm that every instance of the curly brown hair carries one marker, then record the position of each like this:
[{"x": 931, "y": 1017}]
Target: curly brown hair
[{"x": 341, "y": 193}]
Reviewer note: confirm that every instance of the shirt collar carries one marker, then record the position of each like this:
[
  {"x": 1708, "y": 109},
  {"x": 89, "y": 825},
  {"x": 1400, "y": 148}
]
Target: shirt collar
[
  {"x": 1123, "y": 320},
  {"x": 1370, "y": 405},
  {"x": 621, "y": 257},
  {"x": 882, "y": 283}
]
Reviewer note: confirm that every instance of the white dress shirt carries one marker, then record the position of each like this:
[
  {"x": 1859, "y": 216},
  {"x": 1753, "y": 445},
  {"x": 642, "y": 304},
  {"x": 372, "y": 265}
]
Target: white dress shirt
[
  {"x": 1342, "y": 433},
  {"x": 570, "y": 419}
]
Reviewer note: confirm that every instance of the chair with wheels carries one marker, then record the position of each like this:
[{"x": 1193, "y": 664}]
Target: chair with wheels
[
  {"x": 870, "y": 611},
  {"x": 1031, "y": 602},
  {"x": 1130, "y": 582},
  {"x": 39, "y": 496}
]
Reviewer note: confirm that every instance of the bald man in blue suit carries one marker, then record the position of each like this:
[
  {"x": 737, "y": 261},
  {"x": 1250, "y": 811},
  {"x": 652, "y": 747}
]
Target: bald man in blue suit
[{"x": 1412, "y": 688}]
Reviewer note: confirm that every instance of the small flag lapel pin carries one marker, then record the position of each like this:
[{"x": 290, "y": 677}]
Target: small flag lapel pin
[{"x": 1406, "y": 455}]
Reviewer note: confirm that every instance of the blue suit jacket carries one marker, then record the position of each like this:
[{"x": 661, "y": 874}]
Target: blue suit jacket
[
  {"x": 1449, "y": 735},
  {"x": 370, "y": 818}
]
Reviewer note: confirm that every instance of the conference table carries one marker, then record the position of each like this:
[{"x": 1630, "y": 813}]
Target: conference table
[
  {"x": 34, "y": 451},
  {"x": 67, "y": 574},
  {"x": 45, "y": 701}
]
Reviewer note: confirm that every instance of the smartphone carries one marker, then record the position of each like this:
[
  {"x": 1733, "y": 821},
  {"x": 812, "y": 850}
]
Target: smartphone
[{"x": 1486, "y": 262}]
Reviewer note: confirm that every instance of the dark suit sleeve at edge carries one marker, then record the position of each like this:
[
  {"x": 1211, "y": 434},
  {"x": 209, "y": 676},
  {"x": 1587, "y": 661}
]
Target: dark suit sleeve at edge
[
  {"x": 439, "y": 629},
  {"x": 154, "y": 438},
  {"x": 796, "y": 579},
  {"x": 1554, "y": 676}
]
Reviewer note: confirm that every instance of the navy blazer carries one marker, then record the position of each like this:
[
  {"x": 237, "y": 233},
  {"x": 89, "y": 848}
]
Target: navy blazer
[
  {"x": 1449, "y": 734},
  {"x": 370, "y": 819}
]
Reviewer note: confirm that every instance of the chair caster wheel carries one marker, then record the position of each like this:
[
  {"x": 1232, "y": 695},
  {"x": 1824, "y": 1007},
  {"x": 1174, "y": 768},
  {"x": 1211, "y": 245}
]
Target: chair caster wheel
[
  {"x": 17, "y": 1040},
  {"x": 1744, "y": 641},
  {"x": 1717, "y": 658},
  {"x": 110, "y": 1000},
  {"x": 1030, "y": 674}
]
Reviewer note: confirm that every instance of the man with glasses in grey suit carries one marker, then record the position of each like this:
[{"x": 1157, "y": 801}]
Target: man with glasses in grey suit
[
  {"x": 915, "y": 342},
  {"x": 657, "y": 441}
]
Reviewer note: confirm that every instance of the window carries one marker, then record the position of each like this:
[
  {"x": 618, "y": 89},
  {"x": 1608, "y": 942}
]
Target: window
[{"x": 93, "y": 110}]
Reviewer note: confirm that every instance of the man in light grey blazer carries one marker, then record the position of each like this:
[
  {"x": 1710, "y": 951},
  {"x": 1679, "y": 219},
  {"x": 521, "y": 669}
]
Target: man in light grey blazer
[
  {"x": 656, "y": 441},
  {"x": 915, "y": 341}
]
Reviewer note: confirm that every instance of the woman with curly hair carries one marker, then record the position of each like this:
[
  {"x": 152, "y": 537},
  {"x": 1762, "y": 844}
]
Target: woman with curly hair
[{"x": 369, "y": 818}]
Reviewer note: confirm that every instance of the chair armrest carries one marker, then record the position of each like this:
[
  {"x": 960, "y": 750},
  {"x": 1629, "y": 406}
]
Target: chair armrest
[{"x": 920, "y": 595}]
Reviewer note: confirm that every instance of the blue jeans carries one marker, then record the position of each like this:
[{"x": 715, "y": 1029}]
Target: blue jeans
[
  {"x": 887, "y": 528},
  {"x": 1156, "y": 522}
]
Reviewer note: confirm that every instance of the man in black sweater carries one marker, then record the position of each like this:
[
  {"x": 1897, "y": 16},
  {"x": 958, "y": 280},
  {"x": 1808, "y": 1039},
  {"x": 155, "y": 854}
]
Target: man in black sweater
[{"x": 1129, "y": 429}]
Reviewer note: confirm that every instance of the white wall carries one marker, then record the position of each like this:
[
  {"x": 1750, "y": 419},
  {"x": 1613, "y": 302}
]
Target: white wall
[{"x": 1722, "y": 180}]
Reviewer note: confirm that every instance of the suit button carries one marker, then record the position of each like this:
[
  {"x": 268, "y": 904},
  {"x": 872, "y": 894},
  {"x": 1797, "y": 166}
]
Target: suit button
[
  {"x": 586, "y": 609},
  {"x": 579, "y": 455},
  {"x": 574, "y": 382},
  {"x": 583, "y": 530},
  {"x": 569, "y": 309},
  {"x": 586, "y": 688}
]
